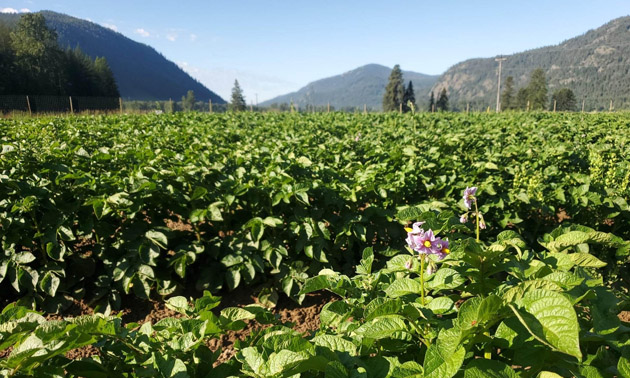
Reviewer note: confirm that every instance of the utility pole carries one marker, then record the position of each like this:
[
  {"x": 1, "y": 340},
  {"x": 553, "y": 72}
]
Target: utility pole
[
  {"x": 256, "y": 99},
  {"x": 500, "y": 60}
]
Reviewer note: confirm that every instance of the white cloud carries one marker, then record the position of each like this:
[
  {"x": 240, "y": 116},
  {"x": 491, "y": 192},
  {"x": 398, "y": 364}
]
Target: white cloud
[
  {"x": 221, "y": 80},
  {"x": 13, "y": 10},
  {"x": 142, "y": 32},
  {"x": 111, "y": 26},
  {"x": 193, "y": 37},
  {"x": 171, "y": 37}
]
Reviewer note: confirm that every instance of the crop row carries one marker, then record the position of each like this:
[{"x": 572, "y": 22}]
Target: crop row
[
  {"x": 483, "y": 309},
  {"x": 97, "y": 207}
]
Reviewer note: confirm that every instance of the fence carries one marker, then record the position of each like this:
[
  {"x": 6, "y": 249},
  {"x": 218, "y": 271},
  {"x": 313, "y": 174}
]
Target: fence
[{"x": 58, "y": 104}]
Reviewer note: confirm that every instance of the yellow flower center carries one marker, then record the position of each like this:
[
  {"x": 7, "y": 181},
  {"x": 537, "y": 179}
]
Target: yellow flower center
[
  {"x": 408, "y": 229},
  {"x": 427, "y": 243},
  {"x": 446, "y": 250}
]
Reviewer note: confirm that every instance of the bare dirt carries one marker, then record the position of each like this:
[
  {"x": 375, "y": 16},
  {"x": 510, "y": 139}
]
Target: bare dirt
[
  {"x": 304, "y": 318},
  {"x": 625, "y": 316}
]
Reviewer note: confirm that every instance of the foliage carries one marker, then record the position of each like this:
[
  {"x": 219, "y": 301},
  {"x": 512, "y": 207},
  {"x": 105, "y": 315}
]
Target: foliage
[
  {"x": 593, "y": 70},
  {"x": 564, "y": 100},
  {"x": 537, "y": 90},
  {"x": 500, "y": 309},
  {"x": 100, "y": 207},
  {"x": 409, "y": 99},
  {"x": 394, "y": 91},
  {"x": 188, "y": 101},
  {"x": 237, "y": 104},
  {"x": 442, "y": 101},
  {"x": 35, "y": 65},
  {"x": 431, "y": 107},
  {"x": 508, "y": 101}
]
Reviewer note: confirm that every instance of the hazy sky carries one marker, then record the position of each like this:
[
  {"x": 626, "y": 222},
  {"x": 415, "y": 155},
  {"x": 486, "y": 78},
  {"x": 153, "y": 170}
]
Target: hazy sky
[{"x": 274, "y": 47}]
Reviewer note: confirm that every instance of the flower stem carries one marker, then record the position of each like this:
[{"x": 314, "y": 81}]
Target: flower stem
[
  {"x": 422, "y": 278},
  {"x": 487, "y": 351},
  {"x": 477, "y": 218}
]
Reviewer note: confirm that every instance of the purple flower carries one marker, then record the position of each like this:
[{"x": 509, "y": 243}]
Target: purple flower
[
  {"x": 440, "y": 248},
  {"x": 408, "y": 264},
  {"x": 414, "y": 235},
  {"x": 463, "y": 218},
  {"x": 482, "y": 224},
  {"x": 431, "y": 269},
  {"x": 469, "y": 196},
  {"x": 425, "y": 245},
  {"x": 356, "y": 139}
]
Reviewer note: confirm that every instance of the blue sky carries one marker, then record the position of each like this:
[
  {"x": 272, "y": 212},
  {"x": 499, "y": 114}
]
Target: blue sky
[{"x": 274, "y": 47}]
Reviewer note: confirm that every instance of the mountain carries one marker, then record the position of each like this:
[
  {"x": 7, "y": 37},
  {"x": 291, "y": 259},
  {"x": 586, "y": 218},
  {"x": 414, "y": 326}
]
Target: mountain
[
  {"x": 353, "y": 89},
  {"x": 595, "y": 65},
  {"x": 140, "y": 72}
]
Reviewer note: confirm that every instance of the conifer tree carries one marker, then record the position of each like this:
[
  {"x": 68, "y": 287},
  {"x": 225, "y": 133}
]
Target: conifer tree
[
  {"x": 537, "y": 90},
  {"x": 394, "y": 91},
  {"x": 188, "y": 101},
  {"x": 409, "y": 98},
  {"x": 565, "y": 100},
  {"x": 442, "y": 102},
  {"x": 507, "y": 97},
  {"x": 238, "y": 100}
]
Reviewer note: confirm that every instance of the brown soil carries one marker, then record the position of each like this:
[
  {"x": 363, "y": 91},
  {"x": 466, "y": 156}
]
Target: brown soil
[
  {"x": 562, "y": 215},
  {"x": 303, "y": 318},
  {"x": 624, "y": 316}
]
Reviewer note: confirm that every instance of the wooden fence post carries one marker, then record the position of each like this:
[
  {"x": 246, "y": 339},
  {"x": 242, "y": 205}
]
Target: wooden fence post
[
  {"x": 554, "y": 105},
  {"x": 71, "y": 107},
  {"x": 28, "y": 104},
  {"x": 120, "y": 104},
  {"x": 210, "y": 105}
]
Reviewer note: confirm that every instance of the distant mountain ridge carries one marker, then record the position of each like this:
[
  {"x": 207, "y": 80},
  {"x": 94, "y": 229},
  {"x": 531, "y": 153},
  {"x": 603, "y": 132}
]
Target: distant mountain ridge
[
  {"x": 595, "y": 65},
  {"x": 140, "y": 71},
  {"x": 354, "y": 89}
]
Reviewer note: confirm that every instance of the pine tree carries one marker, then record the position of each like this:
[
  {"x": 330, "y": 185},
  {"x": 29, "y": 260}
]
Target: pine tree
[
  {"x": 238, "y": 101},
  {"x": 394, "y": 91},
  {"x": 521, "y": 99},
  {"x": 188, "y": 101},
  {"x": 409, "y": 98},
  {"x": 107, "y": 82},
  {"x": 565, "y": 100},
  {"x": 508, "y": 101},
  {"x": 432, "y": 102},
  {"x": 537, "y": 90},
  {"x": 442, "y": 102}
]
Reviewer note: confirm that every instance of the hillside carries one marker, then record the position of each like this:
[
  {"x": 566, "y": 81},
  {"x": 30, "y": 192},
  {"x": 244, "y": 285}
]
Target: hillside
[
  {"x": 363, "y": 85},
  {"x": 594, "y": 65},
  {"x": 140, "y": 72}
]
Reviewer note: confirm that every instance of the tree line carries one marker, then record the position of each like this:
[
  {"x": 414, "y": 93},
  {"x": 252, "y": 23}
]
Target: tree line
[
  {"x": 534, "y": 96},
  {"x": 397, "y": 97},
  {"x": 32, "y": 63}
]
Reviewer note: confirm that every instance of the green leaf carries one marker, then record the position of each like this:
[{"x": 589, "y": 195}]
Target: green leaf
[
  {"x": 441, "y": 305},
  {"x": 623, "y": 366},
  {"x": 587, "y": 260},
  {"x": 233, "y": 278},
  {"x": 198, "y": 193},
  {"x": 251, "y": 359},
  {"x": 157, "y": 238},
  {"x": 335, "y": 369},
  {"x": 441, "y": 362},
  {"x": 482, "y": 368},
  {"x": 335, "y": 343},
  {"x": 49, "y": 283},
  {"x": 479, "y": 311},
  {"x": 445, "y": 279},
  {"x": 552, "y": 320},
  {"x": 234, "y": 314},
  {"x": 381, "y": 328},
  {"x": 402, "y": 287},
  {"x": 257, "y": 228},
  {"x": 179, "y": 304}
]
